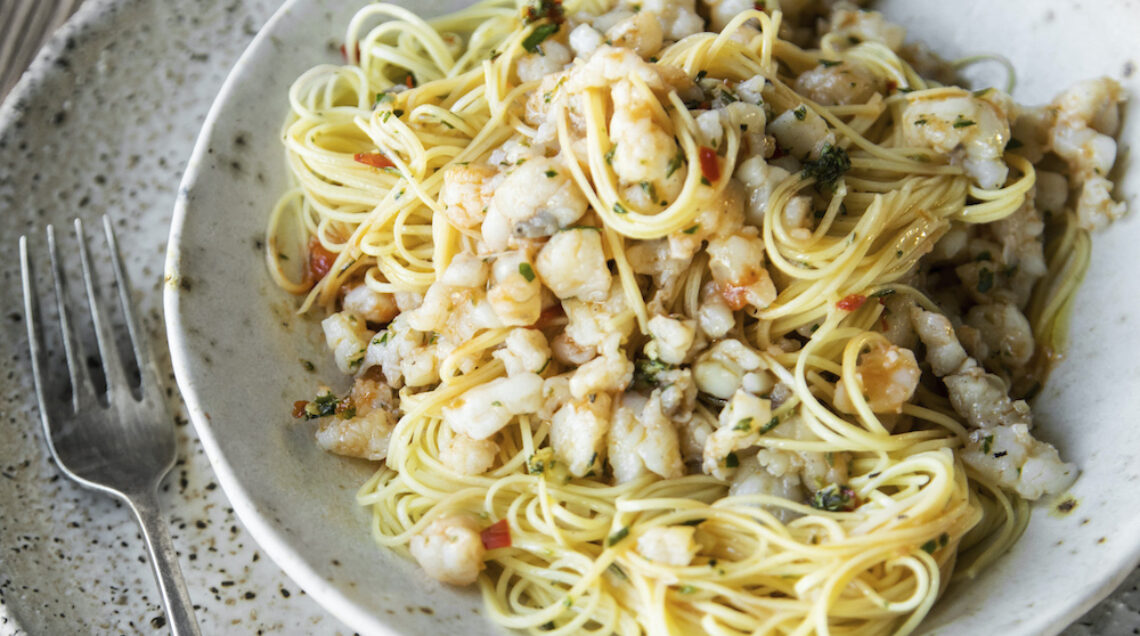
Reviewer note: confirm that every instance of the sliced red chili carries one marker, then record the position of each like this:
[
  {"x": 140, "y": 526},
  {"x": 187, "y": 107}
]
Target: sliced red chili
[
  {"x": 851, "y": 302},
  {"x": 374, "y": 159},
  {"x": 320, "y": 260},
  {"x": 299, "y": 408},
  {"x": 344, "y": 52},
  {"x": 710, "y": 165},
  {"x": 497, "y": 535}
]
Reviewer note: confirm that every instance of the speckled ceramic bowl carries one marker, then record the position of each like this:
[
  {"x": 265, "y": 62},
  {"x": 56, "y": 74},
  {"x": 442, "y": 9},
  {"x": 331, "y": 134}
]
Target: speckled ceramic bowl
[{"x": 237, "y": 346}]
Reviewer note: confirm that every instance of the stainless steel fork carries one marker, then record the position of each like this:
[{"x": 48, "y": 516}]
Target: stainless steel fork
[{"x": 119, "y": 441}]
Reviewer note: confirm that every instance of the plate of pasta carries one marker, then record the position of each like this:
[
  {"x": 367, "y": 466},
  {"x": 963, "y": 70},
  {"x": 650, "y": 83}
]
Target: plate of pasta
[{"x": 671, "y": 317}]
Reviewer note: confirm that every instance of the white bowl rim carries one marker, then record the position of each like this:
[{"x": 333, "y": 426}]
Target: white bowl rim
[{"x": 269, "y": 537}]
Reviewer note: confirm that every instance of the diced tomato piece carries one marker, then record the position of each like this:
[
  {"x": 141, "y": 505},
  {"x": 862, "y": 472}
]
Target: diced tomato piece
[
  {"x": 497, "y": 535},
  {"x": 299, "y": 408},
  {"x": 710, "y": 165},
  {"x": 374, "y": 159},
  {"x": 852, "y": 302},
  {"x": 320, "y": 260}
]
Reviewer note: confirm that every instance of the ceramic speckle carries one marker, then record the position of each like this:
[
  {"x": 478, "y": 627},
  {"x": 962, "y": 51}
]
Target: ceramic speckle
[{"x": 105, "y": 123}]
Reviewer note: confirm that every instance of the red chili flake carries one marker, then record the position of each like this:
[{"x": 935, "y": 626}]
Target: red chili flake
[
  {"x": 891, "y": 86},
  {"x": 320, "y": 260},
  {"x": 374, "y": 159},
  {"x": 710, "y": 166},
  {"x": 852, "y": 302},
  {"x": 410, "y": 80},
  {"x": 344, "y": 52},
  {"x": 299, "y": 408},
  {"x": 778, "y": 152},
  {"x": 497, "y": 535}
]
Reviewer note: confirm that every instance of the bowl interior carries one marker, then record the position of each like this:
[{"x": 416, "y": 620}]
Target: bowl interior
[{"x": 238, "y": 347}]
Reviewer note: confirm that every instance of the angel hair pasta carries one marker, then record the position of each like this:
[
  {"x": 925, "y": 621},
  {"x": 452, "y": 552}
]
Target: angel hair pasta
[{"x": 666, "y": 318}]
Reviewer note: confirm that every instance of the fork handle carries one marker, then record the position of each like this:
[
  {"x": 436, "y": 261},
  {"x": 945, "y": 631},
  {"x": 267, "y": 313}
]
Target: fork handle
[{"x": 164, "y": 562}]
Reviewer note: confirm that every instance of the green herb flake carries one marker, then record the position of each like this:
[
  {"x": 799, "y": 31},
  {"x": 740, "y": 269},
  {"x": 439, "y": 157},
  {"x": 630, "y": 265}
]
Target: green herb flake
[
  {"x": 832, "y": 163},
  {"x": 648, "y": 189},
  {"x": 770, "y": 424},
  {"x": 496, "y": 403},
  {"x": 985, "y": 280},
  {"x": 731, "y": 460},
  {"x": 701, "y": 75},
  {"x": 943, "y": 539},
  {"x": 930, "y": 546},
  {"x": 882, "y": 293},
  {"x": 962, "y": 122},
  {"x": 692, "y": 229},
  {"x": 800, "y": 112},
  {"x": 686, "y": 589},
  {"x": 981, "y": 92},
  {"x": 550, "y": 174},
  {"x": 987, "y": 444},
  {"x": 620, "y": 209},
  {"x": 834, "y": 498},
  {"x": 610, "y": 155},
  {"x": 829, "y": 63},
  {"x": 743, "y": 425},
  {"x": 646, "y": 371},
  {"x": 308, "y": 365},
  {"x": 693, "y": 522},
  {"x": 920, "y": 122},
  {"x": 527, "y": 272},
  {"x": 322, "y": 406},
  {"x": 617, "y": 537},
  {"x": 675, "y": 163},
  {"x": 544, "y": 365},
  {"x": 538, "y": 36}
]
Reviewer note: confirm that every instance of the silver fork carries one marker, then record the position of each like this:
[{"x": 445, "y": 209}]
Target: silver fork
[{"x": 114, "y": 442}]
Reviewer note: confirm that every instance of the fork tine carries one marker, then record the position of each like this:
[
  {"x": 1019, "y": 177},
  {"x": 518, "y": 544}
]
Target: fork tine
[
  {"x": 32, "y": 318},
  {"x": 104, "y": 336},
  {"x": 81, "y": 385},
  {"x": 148, "y": 374}
]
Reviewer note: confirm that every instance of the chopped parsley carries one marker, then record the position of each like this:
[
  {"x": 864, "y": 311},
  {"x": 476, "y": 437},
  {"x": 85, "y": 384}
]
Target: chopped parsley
[
  {"x": 538, "y": 36},
  {"x": 686, "y": 589},
  {"x": 743, "y": 425},
  {"x": 649, "y": 189},
  {"x": 527, "y": 272},
  {"x": 985, "y": 280},
  {"x": 324, "y": 405},
  {"x": 620, "y": 209},
  {"x": 882, "y": 293},
  {"x": 646, "y": 371},
  {"x": 834, "y": 498},
  {"x": 675, "y": 163},
  {"x": 770, "y": 424},
  {"x": 962, "y": 122},
  {"x": 920, "y": 122},
  {"x": 616, "y": 537},
  {"x": 550, "y": 174},
  {"x": 731, "y": 460},
  {"x": 800, "y": 112},
  {"x": 832, "y": 163},
  {"x": 829, "y": 63},
  {"x": 930, "y": 546},
  {"x": 610, "y": 155},
  {"x": 692, "y": 229}
]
